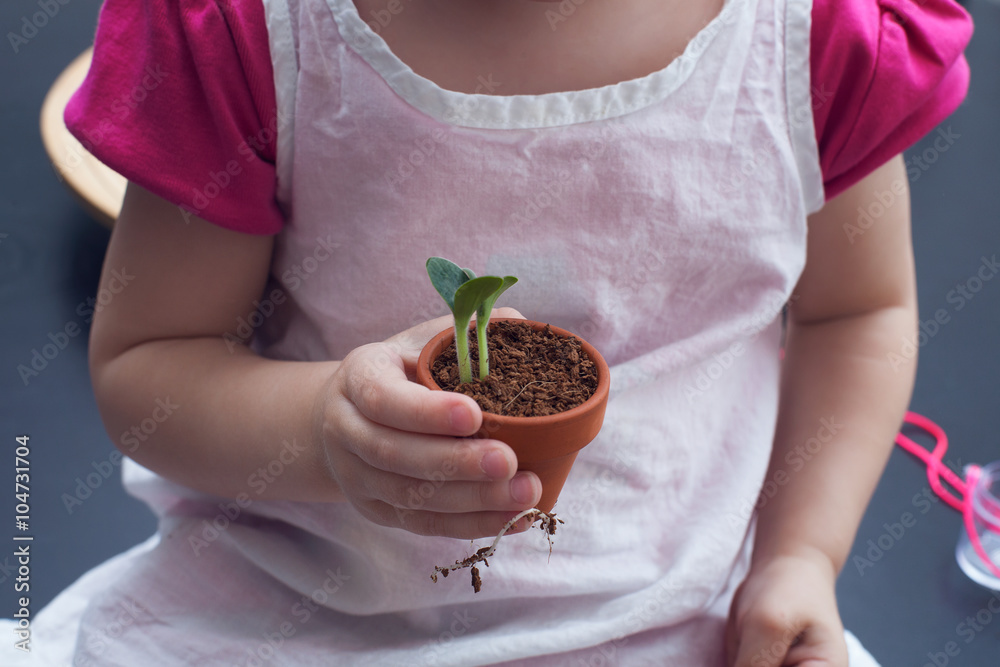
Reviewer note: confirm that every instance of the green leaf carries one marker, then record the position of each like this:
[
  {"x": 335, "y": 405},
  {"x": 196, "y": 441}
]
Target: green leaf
[
  {"x": 447, "y": 277},
  {"x": 471, "y": 294},
  {"x": 487, "y": 306}
]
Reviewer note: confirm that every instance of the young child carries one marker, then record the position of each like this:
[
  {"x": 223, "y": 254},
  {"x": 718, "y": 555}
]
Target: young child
[{"x": 655, "y": 172}]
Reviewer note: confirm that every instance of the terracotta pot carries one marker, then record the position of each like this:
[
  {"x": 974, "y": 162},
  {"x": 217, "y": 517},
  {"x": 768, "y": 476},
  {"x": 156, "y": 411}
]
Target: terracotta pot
[{"x": 547, "y": 446}]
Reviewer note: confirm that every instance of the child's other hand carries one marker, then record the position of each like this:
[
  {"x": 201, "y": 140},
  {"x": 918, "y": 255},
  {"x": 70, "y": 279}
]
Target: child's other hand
[
  {"x": 399, "y": 451},
  {"x": 785, "y": 614}
]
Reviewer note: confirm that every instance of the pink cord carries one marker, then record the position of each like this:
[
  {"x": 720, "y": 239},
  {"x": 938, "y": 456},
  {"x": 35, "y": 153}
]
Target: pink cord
[
  {"x": 963, "y": 500},
  {"x": 935, "y": 468}
]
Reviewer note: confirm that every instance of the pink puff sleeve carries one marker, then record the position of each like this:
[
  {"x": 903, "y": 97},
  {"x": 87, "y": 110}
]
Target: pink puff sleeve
[
  {"x": 180, "y": 100},
  {"x": 884, "y": 73}
]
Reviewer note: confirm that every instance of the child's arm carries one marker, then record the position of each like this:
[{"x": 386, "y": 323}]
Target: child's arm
[
  {"x": 855, "y": 303},
  {"x": 178, "y": 400}
]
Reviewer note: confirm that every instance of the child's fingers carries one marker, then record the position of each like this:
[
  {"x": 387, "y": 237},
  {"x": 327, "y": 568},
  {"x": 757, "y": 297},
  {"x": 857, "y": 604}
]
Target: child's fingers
[
  {"x": 822, "y": 646},
  {"x": 426, "y": 457},
  {"x": 388, "y": 446},
  {"x": 374, "y": 381},
  {"x": 514, "y": 495},
  {"x": 766, "y": 641},
  {"x": 407, "y": 344},
  {"x": 763, "y": 642},
  {"x": 467, "y": 526},
  {"x": 507, "y": 312}
]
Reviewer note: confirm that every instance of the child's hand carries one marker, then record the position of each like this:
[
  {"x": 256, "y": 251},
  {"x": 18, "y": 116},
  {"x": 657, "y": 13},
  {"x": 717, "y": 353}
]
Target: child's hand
[
  {"x": 785, "y": 614},
  {"x": 397, "y": 449}
]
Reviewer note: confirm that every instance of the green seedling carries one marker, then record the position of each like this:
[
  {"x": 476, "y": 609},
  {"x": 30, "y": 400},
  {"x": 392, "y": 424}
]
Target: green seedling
[
  {"x": 483, "y": 319},
  {"x": 466, "y": 295}
]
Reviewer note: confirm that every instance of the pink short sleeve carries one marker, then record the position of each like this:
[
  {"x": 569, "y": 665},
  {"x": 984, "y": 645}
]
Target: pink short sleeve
[
  {"x": 180, "y": 99},
  {"x": 885, "y": 73}
]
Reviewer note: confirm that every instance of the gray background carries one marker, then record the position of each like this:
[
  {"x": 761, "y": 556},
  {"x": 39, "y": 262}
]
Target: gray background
[{"x": 905, "y": 607}]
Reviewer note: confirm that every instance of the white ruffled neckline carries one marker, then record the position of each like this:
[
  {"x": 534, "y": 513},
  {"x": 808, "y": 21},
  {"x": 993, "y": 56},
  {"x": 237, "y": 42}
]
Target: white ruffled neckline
[{"x": 522, "y": 111}]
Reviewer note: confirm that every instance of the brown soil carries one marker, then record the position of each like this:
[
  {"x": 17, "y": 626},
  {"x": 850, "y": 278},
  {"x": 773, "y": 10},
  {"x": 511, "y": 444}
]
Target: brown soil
[{"x": 532, "y": 373}]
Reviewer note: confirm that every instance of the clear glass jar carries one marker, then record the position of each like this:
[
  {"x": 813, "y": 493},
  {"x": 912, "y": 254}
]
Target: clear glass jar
[{"x": 986, "y": 518}]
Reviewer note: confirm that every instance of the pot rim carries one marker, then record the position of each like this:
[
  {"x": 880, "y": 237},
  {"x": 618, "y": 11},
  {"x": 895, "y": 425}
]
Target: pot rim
[{"x": 599, "y": 396}]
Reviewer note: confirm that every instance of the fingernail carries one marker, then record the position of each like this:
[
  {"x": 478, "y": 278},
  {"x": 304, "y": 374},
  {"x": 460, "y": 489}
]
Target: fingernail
[
  {"x": 522, "y": 489},
  {"x": 494, "y": 464},
  {"x": 461, "y": 420}
]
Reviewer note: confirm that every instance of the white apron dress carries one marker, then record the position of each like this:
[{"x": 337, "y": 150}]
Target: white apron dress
[{"x": 662, "y": 218}]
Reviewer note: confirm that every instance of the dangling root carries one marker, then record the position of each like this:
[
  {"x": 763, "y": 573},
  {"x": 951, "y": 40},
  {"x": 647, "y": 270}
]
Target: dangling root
[{"x": 548, "y": 524}]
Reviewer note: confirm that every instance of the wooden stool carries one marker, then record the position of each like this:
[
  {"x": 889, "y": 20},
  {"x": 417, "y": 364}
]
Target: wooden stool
[{"x": 99, "y": 188}]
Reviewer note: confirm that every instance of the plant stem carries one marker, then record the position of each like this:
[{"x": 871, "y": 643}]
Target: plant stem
[
  {"x": 462, "y": 352},
  {"x": 484, "y": 352}
]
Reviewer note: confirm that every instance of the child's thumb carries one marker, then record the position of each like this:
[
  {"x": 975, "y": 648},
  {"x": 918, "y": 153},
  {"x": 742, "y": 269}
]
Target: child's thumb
[
  {"x": 409, "y": 343},
  {"x": 507, "y": 312}
]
